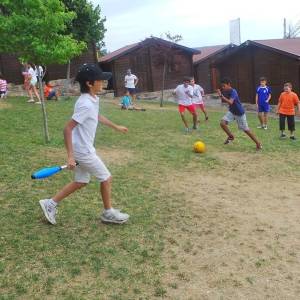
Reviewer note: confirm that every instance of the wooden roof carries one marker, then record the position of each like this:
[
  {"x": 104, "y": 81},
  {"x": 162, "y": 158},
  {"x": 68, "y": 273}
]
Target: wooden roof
[
  {"x": 290, "y": 47},
  {"x": 127, "y": 49},
  {"x": 209, "y": 51}
]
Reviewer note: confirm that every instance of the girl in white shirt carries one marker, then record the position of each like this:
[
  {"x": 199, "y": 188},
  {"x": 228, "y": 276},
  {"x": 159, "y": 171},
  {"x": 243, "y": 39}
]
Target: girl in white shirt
[{"x": 33, "y": 81}]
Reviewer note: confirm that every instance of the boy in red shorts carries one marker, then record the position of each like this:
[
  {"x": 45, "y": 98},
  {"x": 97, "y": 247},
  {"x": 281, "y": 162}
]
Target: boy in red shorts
[
  {"x": 198, "y": 98},
  {"x": 184, "y": 96}
]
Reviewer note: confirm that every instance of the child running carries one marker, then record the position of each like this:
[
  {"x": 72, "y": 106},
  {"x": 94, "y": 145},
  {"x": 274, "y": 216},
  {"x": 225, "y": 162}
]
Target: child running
[
  {"x": 286, "y": 110},
  {"x": 184, "y": 95},
  {"x": 198, "y": 98},
  {"x": 3, "y": 87},
  {"x": 79, "y": 135},
  {"x": 262, "y": 99},
  {"x": 236, "y": 112}
]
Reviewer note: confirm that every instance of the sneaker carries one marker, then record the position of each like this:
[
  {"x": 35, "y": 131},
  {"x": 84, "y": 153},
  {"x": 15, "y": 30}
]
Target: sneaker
[
  {"x": 260, "y": 127},
  {"x": 206, "y": 118},
  {"x": 195, "y": 127},
  {"x": 38, "y": 102},
  {"x": 265, "y": 127},
  {"x": 114, "y": 216},
  {"x": 283, "y": 136},
  {"x": 186, "y": 130},
  {"x": 49, "y": 210},
  {"x": 229, "y": 140},
  {"x": 30, "y": 101},
  {"x": 292, "y": 138},
  {"x": 259, "y": 147}
]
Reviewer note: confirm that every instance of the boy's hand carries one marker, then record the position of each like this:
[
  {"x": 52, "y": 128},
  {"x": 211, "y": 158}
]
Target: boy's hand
[
  {"x": 122, "y": 129},
  {"x": 71, "y": 163},
  {"x": 219, "y": 93}
]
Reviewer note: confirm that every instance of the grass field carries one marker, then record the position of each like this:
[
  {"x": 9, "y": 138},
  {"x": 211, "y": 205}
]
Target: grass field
[{"x": 222, "y": 225}]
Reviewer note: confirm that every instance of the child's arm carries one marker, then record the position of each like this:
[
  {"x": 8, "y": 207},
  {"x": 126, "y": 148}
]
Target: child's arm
[
  {"x": 256, "y": 99},
  {"x": 68, "y": 143},
  {"x": 278, "y": 106},
  {"x": 224, "y": 99},
  {"x": 269, "y": 98},
  {"x": 110, "y": 124}
]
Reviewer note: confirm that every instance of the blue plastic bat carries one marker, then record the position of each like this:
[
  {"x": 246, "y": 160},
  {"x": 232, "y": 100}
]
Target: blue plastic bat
[{"x": 47, "y": 172}]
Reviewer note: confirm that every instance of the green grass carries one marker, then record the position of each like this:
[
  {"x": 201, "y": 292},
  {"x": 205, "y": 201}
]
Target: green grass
[{"x": 81, "y": 258}]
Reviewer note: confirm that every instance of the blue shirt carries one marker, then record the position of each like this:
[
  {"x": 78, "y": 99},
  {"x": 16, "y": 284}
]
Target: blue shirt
[
  {"x": 263, "y": 93},
  {"x": 126, "y": 101},
  {"x": 236, "y": 107}
]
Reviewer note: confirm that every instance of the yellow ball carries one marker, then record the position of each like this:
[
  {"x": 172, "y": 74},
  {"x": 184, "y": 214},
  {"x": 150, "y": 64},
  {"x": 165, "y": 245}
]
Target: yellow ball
[{"x": 199, "y": 147}]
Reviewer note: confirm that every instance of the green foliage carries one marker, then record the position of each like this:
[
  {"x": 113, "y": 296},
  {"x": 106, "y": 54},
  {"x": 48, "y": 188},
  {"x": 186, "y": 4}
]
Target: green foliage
[
  {"x": 34, "y": 30},
  {"x": 88, "y": 25}
]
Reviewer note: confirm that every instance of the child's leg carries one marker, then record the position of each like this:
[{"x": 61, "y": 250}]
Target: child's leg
[
  {"x": 253, "y": 137},
  {"x": 184, "y": 120},
  {"x": 261, "y": 118},
  {"x": 202, "y": 107},
  {"x": 224, "y": 126},
  {"x": 105, "y": 190},
  {"x": 282, "y": 123},
  {"x": 36, "y": 93},
  {"x": 266, "y": 118},
  {"x": 67, "y": 190},
  {"x": 291, "y": 124}
]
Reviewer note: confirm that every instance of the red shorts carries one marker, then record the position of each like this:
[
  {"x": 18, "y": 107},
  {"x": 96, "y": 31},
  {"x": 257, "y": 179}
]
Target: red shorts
[
  {"x": 200, "y": 105},
  {"x": 190, "y": 108}
]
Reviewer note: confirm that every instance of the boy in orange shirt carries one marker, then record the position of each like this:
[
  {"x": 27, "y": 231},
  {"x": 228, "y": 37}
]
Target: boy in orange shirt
[
  {"x": 50, "y": 92},
  {"x": 286, "y": 109}
]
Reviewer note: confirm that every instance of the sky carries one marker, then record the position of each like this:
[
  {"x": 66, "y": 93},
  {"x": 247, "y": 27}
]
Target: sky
[{"x": 200, "y": 22}]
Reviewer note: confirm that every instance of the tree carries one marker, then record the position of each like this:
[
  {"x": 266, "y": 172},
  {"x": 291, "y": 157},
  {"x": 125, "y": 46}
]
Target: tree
[
  {"x": 167, "y": 54},
  {"x": 87, "y": 26},
  {"x": 292, "y": 31},
  {"x": 34, "y": 31}
]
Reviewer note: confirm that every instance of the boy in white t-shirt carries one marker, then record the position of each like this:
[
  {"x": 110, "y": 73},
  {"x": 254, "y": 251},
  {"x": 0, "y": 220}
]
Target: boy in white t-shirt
[
  {"x": 184, "y": 96},
  {"x": 79, "y": 135},
  {"x": 130, "y": 83},
  {"x": 198, "y": 97}
]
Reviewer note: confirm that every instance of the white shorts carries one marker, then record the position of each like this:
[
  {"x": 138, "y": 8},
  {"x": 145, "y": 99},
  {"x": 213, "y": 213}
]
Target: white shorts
[
  {"x": 241, "y": 120},
  {"x": 33, "y": 82},
  {"x": 90, "y": 164}
]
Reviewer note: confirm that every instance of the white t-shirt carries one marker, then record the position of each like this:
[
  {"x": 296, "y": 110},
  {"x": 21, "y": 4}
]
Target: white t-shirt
[
  {"x": 32, "y": 74},
  {"x": 184, "y": 94},
  {"x": 129, "y": 81},
  {"x": 197, "y": 97},
  {"x": 86, "y": 112}
]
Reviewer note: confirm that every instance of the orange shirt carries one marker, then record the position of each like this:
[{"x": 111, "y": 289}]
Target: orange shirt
[
  {"x": 287, "y": 102},
  {"x": 47, "y": 89}
]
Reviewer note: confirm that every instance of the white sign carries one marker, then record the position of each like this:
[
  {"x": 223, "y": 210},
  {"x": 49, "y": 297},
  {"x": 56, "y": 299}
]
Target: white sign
[{"x": 235, "y": 32}]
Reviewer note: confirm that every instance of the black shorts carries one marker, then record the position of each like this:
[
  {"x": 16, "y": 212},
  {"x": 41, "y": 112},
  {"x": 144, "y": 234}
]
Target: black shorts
[
  {"x": 290, "y": 121},
  {"x": 132, "y": 91}
]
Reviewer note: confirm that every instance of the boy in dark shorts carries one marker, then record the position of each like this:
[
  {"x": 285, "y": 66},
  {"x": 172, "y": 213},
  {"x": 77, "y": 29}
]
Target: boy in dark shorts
[
  {"x": 286, "y": 110},
  {"x": 236, "y": 113}
]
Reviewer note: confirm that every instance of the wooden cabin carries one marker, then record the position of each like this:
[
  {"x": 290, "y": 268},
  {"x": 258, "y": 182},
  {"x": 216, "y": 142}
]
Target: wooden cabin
[
  {"x": 204, "y": 71},
  {"x": 278, "y": 60},
  {"x": 11, "y": 67},
  {"x": 146, "y": 60}
]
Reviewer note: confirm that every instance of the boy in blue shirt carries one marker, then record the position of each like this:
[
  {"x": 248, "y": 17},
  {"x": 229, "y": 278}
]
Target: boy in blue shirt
[
  {"x": 126, "y": 103},
  {"x": 262, "y": 99},
  {"x": 236, "y": 112}
]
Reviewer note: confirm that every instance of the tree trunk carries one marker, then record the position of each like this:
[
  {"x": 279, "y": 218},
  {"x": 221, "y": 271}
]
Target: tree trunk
[
  {"x": 163, "y": 83},
  {"x": 43, "y": 105},
  {"x": 67, "y": 81}
]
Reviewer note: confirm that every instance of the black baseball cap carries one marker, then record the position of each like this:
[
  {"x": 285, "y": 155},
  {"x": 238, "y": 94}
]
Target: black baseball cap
[{"x": 91, "y": 72}]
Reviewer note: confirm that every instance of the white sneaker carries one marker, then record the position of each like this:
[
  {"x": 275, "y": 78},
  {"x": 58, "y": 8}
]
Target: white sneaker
[
  {"x": 114, "y": 216},
  {"x": 265, "y": 127},
  {"x": 260, "y": 127},
  {"x": 30, "y": 101},
  {"x": 49, "y": 210},
  {"x": 38, "y": 102}
]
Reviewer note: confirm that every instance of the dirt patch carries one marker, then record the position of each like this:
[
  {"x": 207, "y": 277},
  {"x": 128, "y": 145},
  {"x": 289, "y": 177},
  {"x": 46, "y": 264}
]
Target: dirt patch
[
  {"x": 235, "y": 233},
  {"x": 5, "y": 105}
]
